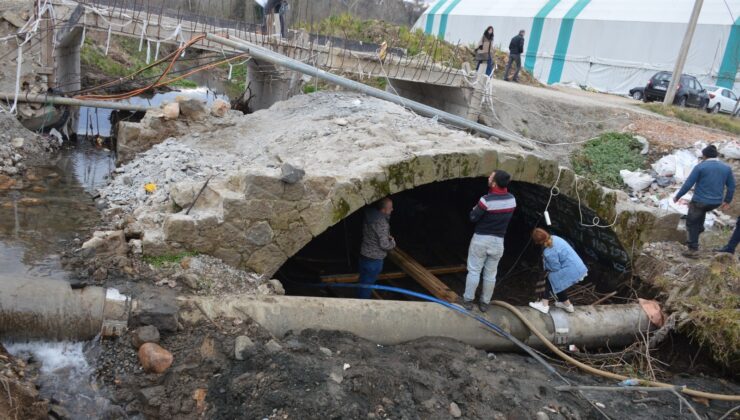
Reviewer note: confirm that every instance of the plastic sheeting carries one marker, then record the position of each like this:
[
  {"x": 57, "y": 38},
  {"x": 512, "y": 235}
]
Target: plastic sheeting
[{"x": 611, "y": 46}]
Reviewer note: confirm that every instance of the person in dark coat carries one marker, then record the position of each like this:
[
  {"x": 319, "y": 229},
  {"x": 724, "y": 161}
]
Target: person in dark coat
[
  {"x": 516, "y": 48},
  {"x": 376, "y": 242},
  {"x": 714, "y": 186},
  {"x": 485, "y": 51}
]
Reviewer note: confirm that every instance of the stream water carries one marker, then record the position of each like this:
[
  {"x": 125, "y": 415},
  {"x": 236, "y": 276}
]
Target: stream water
[{"x": 52, "y": 211}]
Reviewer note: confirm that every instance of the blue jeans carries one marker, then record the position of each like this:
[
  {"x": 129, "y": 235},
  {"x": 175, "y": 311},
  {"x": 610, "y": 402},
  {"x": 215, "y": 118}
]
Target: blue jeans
[
  {"x": 370, "y": 268},
  {"x": 489, "y": 66},
  {"x": 735, "y": 239},
  {"x": 483, "y": 256}
]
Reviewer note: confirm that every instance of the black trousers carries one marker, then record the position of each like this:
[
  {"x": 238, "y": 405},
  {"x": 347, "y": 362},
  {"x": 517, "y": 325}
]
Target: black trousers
[
  {"x": 695, "y": 221},
  {"x": 544, "y": 289}
]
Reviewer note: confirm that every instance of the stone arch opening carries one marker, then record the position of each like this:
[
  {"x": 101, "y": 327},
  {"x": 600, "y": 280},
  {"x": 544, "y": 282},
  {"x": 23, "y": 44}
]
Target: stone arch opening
[{"x": 430, "y": 223}]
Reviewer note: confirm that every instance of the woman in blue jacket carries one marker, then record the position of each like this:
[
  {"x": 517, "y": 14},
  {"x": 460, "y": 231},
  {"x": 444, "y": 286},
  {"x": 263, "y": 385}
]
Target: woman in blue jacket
[{"x": 563, "y": 268}]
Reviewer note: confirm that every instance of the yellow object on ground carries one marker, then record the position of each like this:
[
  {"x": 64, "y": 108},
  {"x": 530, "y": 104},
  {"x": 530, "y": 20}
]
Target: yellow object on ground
[{"x": 150, "y": 188}]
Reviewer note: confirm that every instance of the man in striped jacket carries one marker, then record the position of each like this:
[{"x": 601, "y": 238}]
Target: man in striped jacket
[{"x": 491, "y": 217}]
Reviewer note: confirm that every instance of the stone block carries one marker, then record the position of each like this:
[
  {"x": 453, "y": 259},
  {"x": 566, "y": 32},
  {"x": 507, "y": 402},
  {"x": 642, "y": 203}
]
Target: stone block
[
  {"x": 259, "y": 234},
  {"x": 179, "y": 228},
  {"x": 294, "y": 192},
  {"x": 318, "y": 188},
  {"x": 266, "y": 260},
  {"x": 229, "y": 256},
  {"x": 145, "y": 334},
  {"x": 488, "y": 162},
  {"x": 318, "y": 217},
  {"x": 513, "y": 164},
  {"x": 191, "y": 108},
  {"x": 294, "y": 239},
  {"x": 106, "y": 244},
  {"x": 262, "y": 187}
]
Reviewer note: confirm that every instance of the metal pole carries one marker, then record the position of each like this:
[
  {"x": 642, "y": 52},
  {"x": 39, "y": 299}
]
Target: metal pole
[
  {"x": 670, "y": 94},
  {"x": 61, "y": 100},
  {"x": 278, "y": 59}
]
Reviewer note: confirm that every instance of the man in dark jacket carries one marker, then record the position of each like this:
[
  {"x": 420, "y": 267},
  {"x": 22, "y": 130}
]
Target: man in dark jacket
[
  {"x": 376, "y": 242},
  {"x": 491, "y": 216},
  {"x": 516, "y": 48},
  {"x": 715, "y": 186}
]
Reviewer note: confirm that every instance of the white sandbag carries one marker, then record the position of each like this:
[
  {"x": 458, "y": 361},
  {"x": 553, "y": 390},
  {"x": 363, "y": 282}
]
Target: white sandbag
[
  {"x": 730, "y": 150},
  {"x": 637, "y": 181},
  {"x": 677, "y": 165}
]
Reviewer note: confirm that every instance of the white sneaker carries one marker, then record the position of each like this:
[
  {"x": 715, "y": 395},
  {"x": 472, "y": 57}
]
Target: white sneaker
[
  {"x": 567, "y": 308},
  {"x": 540, "y": 306}
]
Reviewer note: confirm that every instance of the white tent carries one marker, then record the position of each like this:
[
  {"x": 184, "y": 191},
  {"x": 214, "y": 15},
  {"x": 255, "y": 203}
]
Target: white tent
[{"x": 609, "y": 45}]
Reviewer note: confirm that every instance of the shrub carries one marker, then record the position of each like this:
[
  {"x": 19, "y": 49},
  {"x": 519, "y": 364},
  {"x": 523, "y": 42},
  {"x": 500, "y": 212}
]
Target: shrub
[{"x": 603, "y": 157}]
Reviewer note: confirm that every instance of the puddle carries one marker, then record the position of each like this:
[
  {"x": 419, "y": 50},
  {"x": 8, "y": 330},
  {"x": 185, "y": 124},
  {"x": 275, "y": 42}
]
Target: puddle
[{"x": 54, "y": 207}]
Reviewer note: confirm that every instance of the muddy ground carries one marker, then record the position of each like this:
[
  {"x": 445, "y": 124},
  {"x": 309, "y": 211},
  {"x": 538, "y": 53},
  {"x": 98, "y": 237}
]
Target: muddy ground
[{"x": 318, "y": 375}]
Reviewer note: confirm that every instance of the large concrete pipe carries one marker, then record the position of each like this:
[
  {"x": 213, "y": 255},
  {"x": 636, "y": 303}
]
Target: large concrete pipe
[
  {"x": 45, "y": 309},
  {"x": 393, "y": 322}
]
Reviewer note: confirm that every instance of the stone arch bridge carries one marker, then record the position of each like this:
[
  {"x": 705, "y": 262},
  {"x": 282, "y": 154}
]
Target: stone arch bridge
[{"x": 356, "y": 150}]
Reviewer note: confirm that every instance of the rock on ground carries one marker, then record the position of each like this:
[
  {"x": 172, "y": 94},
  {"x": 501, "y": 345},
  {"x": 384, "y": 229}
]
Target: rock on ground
[{"x": 21, "y": 148}]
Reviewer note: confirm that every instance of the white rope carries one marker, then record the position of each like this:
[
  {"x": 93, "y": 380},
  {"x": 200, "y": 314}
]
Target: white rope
[
  {"x": 107, "y": 42},
  {"x": 84, "y": 30},
  {"x": 143, "y": 33},
  {"x": 17, "y": 79}
]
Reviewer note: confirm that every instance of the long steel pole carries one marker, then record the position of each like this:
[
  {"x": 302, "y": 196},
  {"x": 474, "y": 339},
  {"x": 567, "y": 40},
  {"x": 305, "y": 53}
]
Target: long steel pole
[
  {"x": 428, "y": 111},
  {"x": 670, "y": 94}
]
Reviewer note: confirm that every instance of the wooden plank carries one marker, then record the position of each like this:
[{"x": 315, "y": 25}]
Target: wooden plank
[
  {"x": 417, "y": 272},
  {"x": 353, "y": 278}
]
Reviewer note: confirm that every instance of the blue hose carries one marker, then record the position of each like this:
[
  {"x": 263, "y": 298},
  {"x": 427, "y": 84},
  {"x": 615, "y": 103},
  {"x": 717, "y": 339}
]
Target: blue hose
[{"x": 455, "y": 308}]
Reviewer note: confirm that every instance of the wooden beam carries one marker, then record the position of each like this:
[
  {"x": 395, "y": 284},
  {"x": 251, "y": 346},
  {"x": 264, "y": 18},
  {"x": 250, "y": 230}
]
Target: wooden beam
[
  {"x": 417, "y": 272},
  {"x": 353, "y": 278}
]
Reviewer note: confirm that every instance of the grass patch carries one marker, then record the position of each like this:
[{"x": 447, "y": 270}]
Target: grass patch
[
  {"x": 603, "y": 157},
  {"x": 697, "y": 116},
  {"x": 715, "y": 317},
  {"x": 163, "y": 260},
  {"x": 375, "y": 31}
]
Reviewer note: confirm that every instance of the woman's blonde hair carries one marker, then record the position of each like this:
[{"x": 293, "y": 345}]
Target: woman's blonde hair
[{"x": 542, "y": 237}]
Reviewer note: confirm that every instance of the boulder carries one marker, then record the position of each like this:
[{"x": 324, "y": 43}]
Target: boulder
[
  {"x": 143, "y": 335},
  {"x": 242, "y": 344},
  {"x": 171, "y": 111},
  {"x": 455, "y": 410},
  {"x": 220, "y": 108},
  {"x": 273, "y": 346},
  {"x": 154, "y": 359},
  {"x": 107, "y": 243},
  {"x": 6, "y": 182},
  {"x": 192, "y": 108},
  {"x": 290, "y": 174}
]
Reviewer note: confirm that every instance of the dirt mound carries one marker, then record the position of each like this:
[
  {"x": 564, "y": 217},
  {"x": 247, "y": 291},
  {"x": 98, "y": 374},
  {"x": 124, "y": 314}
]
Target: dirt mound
[{"x": 315, "y": 375}]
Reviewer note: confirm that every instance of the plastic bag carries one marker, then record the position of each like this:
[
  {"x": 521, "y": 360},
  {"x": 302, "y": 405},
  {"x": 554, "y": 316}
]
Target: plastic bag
[
  {"x": 637, "y": 181},
  {"x": 677, "y": 165},
  {"x": 730, "y": 150}
]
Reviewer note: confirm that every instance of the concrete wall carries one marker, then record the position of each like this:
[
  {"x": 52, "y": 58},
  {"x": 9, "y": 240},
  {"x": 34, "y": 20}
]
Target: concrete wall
[{"x": 455, "y": 100}]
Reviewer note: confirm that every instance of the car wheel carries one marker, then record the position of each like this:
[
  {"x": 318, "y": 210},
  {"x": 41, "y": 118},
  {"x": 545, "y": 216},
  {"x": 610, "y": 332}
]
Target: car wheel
[
  {"x": 682, "y": 102},
  {"x": 637, "y": 95},
  {"x": 716, "y": 108}
]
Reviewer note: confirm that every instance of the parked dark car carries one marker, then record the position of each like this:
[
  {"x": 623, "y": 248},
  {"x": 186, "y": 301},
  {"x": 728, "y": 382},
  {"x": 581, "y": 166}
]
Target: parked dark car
[
  {"x": 637, "y": 93},
  {"x": 688, "y": 93}
]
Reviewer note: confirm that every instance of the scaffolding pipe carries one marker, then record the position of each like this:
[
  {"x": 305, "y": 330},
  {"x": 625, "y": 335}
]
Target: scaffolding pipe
[
  {"x": 61, "y": 100},
  {"x": 264, "y": 54},
  {"x": 390, "y": 322}
]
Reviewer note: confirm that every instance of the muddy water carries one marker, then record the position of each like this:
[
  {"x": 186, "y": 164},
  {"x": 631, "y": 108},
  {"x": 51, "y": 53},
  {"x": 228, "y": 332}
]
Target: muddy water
[{"x": 52, "y": 208}]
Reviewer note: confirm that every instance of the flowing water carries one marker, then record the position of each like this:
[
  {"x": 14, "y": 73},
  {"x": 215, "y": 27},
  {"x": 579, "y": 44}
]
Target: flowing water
[{"x": 54, "y": 210}]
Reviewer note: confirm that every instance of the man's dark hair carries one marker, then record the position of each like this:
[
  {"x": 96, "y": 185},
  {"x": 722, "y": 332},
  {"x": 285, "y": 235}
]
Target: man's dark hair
[
  {"x": 502, "y": 178},
  {"x": 380, "y": 204}
]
